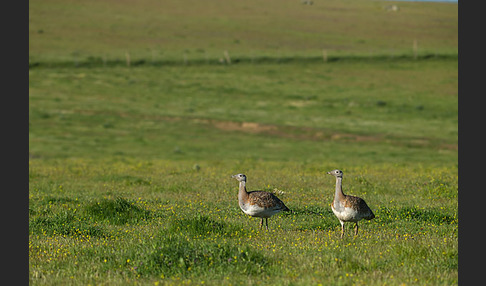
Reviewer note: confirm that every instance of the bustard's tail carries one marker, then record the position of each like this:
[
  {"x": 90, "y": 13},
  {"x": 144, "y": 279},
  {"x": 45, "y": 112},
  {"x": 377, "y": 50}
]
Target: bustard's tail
[{"x": 370, "y": 216}]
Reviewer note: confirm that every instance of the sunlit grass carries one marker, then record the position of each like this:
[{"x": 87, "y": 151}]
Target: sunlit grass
[{"x": 146, "y": 233}]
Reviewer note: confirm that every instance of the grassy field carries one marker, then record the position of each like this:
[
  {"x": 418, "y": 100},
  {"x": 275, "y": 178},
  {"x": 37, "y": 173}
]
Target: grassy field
[
  {"x": 171, "y": 30},
  {"x": 129, "y": 166}
]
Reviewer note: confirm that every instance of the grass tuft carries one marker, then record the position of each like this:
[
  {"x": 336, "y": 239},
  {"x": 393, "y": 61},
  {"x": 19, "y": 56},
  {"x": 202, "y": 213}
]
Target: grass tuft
[
  {"x": 117, "y": 211},
  {"x": 175, "y": 255},
  {"x": 201, "y": 226},
  {"x": 64, "y": 223},
  {"x": 415, "y": 214}
]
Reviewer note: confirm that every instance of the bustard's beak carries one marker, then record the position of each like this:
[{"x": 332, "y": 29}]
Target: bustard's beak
[
  {"x": 328, "y": 173},
  {"x": 233, "y": 176}
]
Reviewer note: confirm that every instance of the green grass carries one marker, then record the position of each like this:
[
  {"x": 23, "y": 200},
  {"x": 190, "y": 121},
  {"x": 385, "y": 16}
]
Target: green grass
[
  {"x": 206, "y": 110},
  {"x": 94, "y": 231},
  {"x": 129, "y": 167},
  {"x": 152, "y": 31}
]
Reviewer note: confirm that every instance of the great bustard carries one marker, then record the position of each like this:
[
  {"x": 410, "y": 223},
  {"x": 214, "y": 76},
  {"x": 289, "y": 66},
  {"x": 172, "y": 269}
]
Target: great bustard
[
  {"x": 258, "y": 203},
  {"x": 348, "y": 208}
]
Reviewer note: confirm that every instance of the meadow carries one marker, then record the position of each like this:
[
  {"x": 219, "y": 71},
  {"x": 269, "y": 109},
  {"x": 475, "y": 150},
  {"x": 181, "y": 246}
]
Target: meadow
[{"x": 130, "y": 165}]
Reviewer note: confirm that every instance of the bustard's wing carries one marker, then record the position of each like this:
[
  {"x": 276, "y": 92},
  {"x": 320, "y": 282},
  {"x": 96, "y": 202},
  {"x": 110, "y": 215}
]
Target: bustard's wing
[
  {"x": 359, "y": 205},
  {"x": 266, "y": 200}
]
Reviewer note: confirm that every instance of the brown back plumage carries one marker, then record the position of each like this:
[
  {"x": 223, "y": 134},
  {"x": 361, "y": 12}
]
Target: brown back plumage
[
  {"x": 359, "y": 205},
  {"x": 266, "y": 200}
]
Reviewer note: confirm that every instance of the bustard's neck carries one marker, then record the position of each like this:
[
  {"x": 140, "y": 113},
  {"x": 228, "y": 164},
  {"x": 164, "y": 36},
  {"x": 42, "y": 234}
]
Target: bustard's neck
[
  {"x": 339, "y": 194},
  {"x": 242, "y": 194}
]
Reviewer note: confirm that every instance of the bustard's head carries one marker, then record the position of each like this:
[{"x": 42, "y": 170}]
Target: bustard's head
[
  {"x": 336, "y": 173},
  {"x": 239, "y": 177}
]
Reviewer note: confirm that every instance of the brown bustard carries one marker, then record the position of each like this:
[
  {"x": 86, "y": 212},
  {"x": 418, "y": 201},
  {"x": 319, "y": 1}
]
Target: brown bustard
[
  {"x": 258, "y": 203},
  {"x": 348, "y": 208}
]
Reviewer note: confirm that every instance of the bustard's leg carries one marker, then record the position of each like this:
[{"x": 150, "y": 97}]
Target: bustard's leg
[
  {"x": 356, "y": 229},
  {"x": 342, "y": 228},
  {"x": 261, "y": 224},
  {"x": 266, "y": 222}
]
